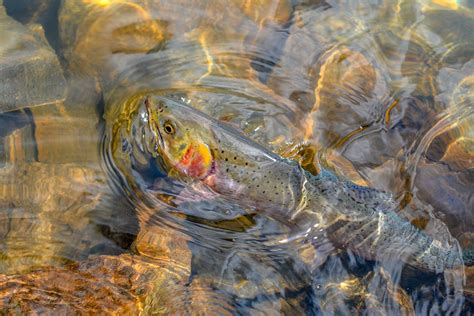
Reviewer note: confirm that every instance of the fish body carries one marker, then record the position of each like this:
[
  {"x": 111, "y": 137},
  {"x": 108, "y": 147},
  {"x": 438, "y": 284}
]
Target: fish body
[{"x": 197, "y": 148}]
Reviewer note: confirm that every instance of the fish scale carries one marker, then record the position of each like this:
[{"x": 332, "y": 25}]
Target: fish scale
[
  {"x": 360, "y": 218},
  {"x": 369, "y": 223},
  {"x": 265, "y": 182},
  {"x": 376, "y": 230}
]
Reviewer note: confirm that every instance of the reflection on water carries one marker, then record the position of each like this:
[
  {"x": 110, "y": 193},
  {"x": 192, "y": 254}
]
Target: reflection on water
[{"x": 382, "y": 94}]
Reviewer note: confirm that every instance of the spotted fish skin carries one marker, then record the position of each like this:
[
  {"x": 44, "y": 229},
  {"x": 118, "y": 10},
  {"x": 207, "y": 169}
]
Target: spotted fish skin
[
  {"x": 370, "y": 226},
  {"x": 374, "y": 228},
  {"x": 259, "y": 179}
]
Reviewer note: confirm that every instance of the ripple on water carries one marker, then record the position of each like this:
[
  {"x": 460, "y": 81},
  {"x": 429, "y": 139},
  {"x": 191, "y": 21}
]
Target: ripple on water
[{"x": 385, "y": 89}]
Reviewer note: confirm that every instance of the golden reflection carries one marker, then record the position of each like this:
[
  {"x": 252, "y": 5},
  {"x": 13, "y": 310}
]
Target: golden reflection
[
  {"x": 342, "y": 72},
  {"x": 389, "y": 109},
  {"x": 262, "y": 10},
  {"x": 305, "y": 154},
  {"x": 45, "y": 198},
  {"x": 460, "y": 150},
  {"x": 14, "y": 146},
  {"x": 337, "y": 162},
  {"x": 159, "y": 244},
  {"x": 344, "y": 139},
  {"x": 138, "y": 30},
  {"x": 449, "y": 4},
  {"x": 351, "y": 59},
  {"x": 335, "y": 56},
  {"x": 350, "y": 286},
  {"x": 209, "y": 58},
  {"x": 102, "y": 3},
  {"x": 359, "y": 291}
]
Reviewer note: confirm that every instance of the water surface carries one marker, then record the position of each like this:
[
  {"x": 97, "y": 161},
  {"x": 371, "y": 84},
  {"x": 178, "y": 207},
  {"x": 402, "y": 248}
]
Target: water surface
[{"x": 380, "y": 92}]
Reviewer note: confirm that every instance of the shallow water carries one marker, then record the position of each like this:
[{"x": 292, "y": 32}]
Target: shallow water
[{"x": 381, "y": 93}]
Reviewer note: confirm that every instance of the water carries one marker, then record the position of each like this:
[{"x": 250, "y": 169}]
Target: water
[{"x": 381, "y": 92}]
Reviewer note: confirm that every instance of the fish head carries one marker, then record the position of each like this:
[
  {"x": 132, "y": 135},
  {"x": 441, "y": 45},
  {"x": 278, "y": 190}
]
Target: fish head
[{"x": 183, "y": 139}]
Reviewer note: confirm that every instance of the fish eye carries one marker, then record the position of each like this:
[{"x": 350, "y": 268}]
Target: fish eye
[{"x": 168, "y": 128}]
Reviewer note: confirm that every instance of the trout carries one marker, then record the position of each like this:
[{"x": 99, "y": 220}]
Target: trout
[{"x": 197, "y": 148}]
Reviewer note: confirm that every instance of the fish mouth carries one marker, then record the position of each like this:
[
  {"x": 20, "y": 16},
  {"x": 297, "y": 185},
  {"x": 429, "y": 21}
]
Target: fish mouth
[
  {"x": 161, "y": 142},
  {"x": 152, "y": 125}
]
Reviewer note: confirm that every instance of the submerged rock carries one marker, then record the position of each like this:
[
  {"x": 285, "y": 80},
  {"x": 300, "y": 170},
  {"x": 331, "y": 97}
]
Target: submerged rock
[
  {"x": 53, "y": 215},
  {"x": 102, "y": 284},
  {"x": 29, "y": 68}
]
